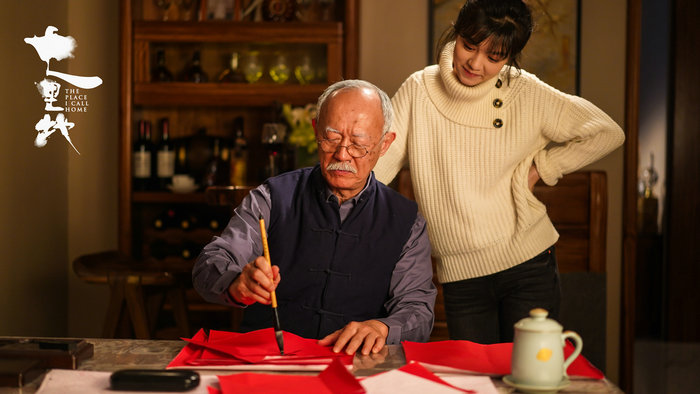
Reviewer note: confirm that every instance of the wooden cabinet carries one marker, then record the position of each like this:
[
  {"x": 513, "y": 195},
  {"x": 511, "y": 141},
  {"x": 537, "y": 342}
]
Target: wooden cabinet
[{"x": 212, "y": 105}]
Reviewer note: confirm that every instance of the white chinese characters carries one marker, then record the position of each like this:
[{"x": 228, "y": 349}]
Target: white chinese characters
[{"x": 54, "y": 46}]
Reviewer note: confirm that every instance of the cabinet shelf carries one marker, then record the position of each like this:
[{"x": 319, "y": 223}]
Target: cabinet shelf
[
  {"x": 244, "y": 32},
  {"x": 223, "y": 94},
  {"x": 176, "y": 235},
  {"x": 167, "y": 197}
]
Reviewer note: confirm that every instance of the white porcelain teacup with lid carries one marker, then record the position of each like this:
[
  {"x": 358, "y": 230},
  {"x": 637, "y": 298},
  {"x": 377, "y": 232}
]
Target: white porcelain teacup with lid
[
  {"x": 182, "y": 181},
  {"x": 538, "y": 351}
]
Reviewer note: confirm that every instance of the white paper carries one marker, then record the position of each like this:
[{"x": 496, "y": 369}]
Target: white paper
[
  {"x": 62, "y": 381},
  {"x": 396, "y": 381},
  {"x": 435, "y": 368},
  {"x": 479, "y": 384}
]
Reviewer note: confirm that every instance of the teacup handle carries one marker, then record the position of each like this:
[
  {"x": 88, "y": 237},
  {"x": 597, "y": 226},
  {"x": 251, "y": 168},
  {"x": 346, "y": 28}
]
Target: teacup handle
[{"x": 579, "y": 345}]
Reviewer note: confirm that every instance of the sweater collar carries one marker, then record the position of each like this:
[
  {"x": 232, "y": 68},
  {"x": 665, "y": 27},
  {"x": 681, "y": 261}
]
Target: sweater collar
[
  {"x": 470, "y": 105},
  {"x": 453, "y": 87}
]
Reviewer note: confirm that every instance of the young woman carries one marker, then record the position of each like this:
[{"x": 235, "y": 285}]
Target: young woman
[{"x": 477, "y": 133}]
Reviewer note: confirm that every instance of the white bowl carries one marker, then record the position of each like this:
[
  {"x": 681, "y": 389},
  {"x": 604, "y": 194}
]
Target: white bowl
[{"x": 183, "y": 189}]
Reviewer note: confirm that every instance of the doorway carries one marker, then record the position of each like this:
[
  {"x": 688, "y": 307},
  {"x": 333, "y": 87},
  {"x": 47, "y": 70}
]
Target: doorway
[{"x": 660, "y": 336}]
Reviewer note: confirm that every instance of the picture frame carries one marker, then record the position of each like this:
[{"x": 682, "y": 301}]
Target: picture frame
[{"x": 553, "y": 51}]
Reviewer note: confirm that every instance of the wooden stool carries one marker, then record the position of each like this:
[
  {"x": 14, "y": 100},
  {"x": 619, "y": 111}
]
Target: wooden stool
[{"x": 128, "y": 282}]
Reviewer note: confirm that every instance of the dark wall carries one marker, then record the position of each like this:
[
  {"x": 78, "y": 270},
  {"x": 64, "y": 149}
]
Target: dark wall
[{"x": 683, "y": 188}]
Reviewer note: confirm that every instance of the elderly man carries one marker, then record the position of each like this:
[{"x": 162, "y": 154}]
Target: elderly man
[{"x": 351, "y": 258}]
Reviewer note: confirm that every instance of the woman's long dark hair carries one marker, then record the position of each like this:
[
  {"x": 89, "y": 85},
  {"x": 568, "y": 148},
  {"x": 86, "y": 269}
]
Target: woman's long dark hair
[{"x": 507, "y": 22}]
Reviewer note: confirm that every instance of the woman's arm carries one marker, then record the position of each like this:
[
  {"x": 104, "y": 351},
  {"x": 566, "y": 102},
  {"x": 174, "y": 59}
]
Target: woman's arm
[{"x": 583, "y": 133}]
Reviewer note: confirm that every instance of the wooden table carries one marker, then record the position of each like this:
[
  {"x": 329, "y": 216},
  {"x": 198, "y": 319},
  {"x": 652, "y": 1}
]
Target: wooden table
[{"x": 114, "y": 354}]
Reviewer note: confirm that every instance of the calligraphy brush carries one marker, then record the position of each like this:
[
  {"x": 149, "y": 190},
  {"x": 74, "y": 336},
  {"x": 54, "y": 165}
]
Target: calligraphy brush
[{"x": 278, "y": 330}]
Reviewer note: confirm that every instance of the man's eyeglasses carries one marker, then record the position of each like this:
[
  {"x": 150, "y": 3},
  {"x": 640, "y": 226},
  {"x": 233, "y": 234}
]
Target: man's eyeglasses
[{"x": 332, "y": 146}]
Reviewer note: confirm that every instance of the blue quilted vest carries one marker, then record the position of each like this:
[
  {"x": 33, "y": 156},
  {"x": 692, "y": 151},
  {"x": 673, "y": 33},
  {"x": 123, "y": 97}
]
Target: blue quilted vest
[{"x": 332, "y": 272}]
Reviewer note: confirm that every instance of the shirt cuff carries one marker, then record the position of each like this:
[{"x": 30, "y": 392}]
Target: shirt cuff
[
  {"x": 394, "y": 336},
  {"x": 229, "y": 277}
]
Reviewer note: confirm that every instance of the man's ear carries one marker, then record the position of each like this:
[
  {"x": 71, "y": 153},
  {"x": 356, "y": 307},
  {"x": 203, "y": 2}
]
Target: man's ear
[{"x": 388, "y": 138}]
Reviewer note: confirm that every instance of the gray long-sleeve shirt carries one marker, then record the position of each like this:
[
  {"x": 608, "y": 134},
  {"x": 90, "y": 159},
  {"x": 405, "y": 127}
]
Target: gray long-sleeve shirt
[{"x": 411, "y": 296}]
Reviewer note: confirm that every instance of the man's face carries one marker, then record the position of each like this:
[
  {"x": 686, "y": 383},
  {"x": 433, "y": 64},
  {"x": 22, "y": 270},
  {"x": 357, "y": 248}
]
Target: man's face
[{"x": 351, "y": 116}]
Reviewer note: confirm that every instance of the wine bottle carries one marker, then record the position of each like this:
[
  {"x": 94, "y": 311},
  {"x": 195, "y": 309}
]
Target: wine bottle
[
  {"x": 195, "y": 73},
  {"x": 161, "y": 249},
  {"x": 160, "y": 72},
  {"x": 215, "y": 221},
  {"x": 181, "y": 153},
  {"x": 189, "y": 250},
  {"x": 239, "y": 155},
  {"x": 212, "y": 175},
  {"x": 187, "y": 221},
  {"x": 142, "y": 158},
  {"x": 223, "y": 175},
  {"x": 232, "y": 73},
  {"x": 165, "y": 156},
  {"x": 165, "y": 219},
  {"x": 199, "y": 154}
]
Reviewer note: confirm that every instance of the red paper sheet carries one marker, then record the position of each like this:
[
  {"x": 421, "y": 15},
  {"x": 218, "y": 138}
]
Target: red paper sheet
[
  {"x": 221, "y": 348},
  {"x": 488, "y": 359},
  {"x": 334, "y": 379}
]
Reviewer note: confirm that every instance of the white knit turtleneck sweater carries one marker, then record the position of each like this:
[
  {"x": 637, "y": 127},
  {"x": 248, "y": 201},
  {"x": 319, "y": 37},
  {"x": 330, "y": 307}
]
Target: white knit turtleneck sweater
[{"x": 470, "y": 177}]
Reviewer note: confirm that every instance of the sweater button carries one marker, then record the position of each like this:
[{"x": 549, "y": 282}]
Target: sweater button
[
  {"x": 499, "y": 83},
  {"x": 497, "y": 123},
  {"x": 497, "y": 103}
]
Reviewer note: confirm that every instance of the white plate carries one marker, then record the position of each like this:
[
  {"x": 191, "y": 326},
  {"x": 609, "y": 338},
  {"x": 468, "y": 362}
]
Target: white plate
[
  {"x": 528, "y": 388},
  {"x": 183, "y": 189}
]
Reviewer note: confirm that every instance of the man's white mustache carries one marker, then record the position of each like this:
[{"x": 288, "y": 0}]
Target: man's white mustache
[{"x": 341, "y": 166}]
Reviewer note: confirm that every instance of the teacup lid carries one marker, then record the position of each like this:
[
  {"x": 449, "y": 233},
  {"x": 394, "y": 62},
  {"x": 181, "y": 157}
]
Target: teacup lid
[{"x": 539, "y": 322}]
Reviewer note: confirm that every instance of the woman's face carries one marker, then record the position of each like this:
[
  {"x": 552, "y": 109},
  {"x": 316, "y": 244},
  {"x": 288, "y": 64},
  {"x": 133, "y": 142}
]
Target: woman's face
[{"x": 474, "y": 64}]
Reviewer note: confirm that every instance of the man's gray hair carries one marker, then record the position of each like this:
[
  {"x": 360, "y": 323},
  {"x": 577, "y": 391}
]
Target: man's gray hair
[{"x": 387, "y": 109}]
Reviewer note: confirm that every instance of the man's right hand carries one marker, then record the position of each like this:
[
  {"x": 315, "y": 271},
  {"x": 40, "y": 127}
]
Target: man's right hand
[{"x": 255, "y": 283}]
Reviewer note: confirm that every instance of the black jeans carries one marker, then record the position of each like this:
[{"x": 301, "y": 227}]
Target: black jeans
[{"x": 484, "y": 309}]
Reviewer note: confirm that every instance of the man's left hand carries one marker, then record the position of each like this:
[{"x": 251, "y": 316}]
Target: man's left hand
[{"x": 370, "y": 335}]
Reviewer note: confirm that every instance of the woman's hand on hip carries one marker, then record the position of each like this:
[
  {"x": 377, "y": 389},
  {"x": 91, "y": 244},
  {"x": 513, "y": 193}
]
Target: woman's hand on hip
[{"x": 532, "y": 177}]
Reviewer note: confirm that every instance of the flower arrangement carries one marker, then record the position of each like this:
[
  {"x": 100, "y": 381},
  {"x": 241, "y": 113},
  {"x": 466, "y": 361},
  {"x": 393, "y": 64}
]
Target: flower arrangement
[{"x": 300, "y": 122}]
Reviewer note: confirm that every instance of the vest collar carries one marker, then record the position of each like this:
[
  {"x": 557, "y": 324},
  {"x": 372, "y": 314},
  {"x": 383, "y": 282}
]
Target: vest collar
[{"x": 327, "y": 195}]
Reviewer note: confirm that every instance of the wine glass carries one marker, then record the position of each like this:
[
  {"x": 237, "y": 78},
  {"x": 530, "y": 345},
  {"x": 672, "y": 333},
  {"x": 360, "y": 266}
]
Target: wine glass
[
  {"x": 253, "y": 69},
  {"x": 306, "y": 10},
  {"x": 186, "y": 8},
  {"x": 304, "y": 72},
  {"x": 279, "y": 71},
  {"x": 327, "y": 10},
  {"x": 164, "y": 5}
]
